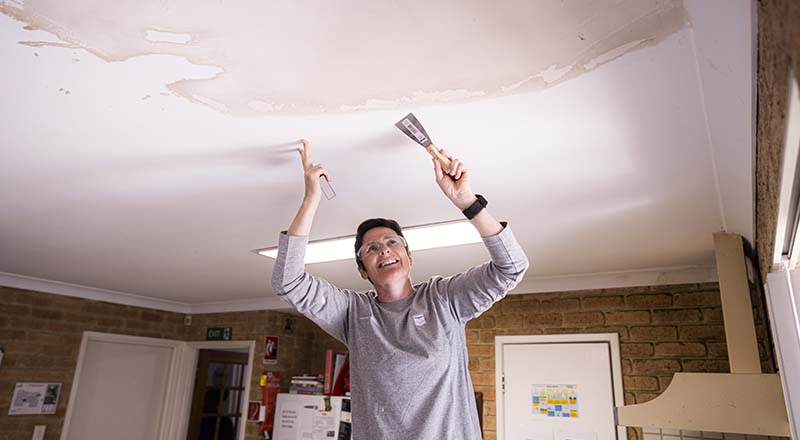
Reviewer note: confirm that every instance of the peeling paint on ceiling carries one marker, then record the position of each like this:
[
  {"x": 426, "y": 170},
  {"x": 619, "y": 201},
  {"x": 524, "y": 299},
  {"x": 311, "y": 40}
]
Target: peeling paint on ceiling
[
  {"x": 115, "y": 188},
  {"x": 356, "y": 55}
]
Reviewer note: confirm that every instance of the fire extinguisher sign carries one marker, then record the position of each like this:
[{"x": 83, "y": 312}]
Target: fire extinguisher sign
[{"x": 254, "y": 411}]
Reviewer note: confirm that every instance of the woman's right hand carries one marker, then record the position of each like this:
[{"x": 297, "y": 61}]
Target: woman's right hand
[{"x": 312, "y": 173}]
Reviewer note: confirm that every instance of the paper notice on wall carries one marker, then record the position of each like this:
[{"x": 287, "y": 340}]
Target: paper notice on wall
[
  {"x": 317, "y": 424},
  {"x": 555, "y": 400},
  {"x": 324, "y": 426},
  {"x": 34, "y": 398},
  {"x": 287, "y": 418}
]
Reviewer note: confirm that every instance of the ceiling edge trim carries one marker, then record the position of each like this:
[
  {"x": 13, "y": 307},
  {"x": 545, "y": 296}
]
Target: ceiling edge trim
[
  {"x": 93, "y": 293},
  {"x": 607, "y": 280},
  {"x": 267, "y": 302},
  {"x": 129, "y": 299}
]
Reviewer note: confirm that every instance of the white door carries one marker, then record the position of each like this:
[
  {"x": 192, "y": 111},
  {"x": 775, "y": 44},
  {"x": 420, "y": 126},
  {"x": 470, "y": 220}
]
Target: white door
[
  {"x": 120, "y": 388},
  {"x": 560, "y": 387}
]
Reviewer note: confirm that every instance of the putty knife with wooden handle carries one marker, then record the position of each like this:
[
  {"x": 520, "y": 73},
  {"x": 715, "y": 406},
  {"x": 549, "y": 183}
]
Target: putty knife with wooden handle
[{"x": 413, "y": 129}]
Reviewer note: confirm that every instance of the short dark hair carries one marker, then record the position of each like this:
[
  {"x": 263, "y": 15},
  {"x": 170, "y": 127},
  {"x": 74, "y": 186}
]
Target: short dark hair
[{"x": 373, "y": 223}]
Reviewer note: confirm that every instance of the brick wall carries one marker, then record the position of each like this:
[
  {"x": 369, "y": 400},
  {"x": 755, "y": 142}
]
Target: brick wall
[
  {"x": 778, "y": 51},
  {"x": 41, "y": 334},
  {"x": 662, "y": 330}
]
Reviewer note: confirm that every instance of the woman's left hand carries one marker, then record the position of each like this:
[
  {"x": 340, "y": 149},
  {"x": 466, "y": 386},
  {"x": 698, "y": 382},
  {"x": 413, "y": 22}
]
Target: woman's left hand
[{"x": 456, "y": 184}]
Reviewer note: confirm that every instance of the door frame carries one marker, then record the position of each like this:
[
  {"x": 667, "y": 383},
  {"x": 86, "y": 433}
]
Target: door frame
[
  {"x": 781, "y": 290},
  {"x": 188, "y": 369},
  {"x": 177, "y": 352},
  {"x": 612, "y": 339},
  {"x": 174, "y": 420}
]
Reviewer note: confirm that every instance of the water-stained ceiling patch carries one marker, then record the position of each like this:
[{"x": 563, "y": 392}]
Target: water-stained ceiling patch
[{"x": 354, "y": 55}]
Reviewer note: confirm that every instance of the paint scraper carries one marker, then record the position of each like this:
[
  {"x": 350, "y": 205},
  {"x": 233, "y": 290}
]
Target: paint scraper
[{"x": 413, "y": 129}]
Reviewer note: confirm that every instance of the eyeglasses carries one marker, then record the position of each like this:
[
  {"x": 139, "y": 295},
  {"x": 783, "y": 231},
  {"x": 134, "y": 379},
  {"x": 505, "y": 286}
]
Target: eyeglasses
[{"x": 373, "y": 247}]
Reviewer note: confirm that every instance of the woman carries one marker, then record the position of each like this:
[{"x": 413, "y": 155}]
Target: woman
[{"x": 408, "y": 354}]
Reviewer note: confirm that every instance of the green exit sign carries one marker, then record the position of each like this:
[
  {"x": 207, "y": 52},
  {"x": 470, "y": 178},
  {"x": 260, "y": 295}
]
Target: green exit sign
[{"x": 219, "y": 334}]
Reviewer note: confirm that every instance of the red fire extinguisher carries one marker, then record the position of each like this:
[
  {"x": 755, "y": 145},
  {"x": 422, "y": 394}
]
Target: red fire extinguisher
[{"x": 271, "y": 384}]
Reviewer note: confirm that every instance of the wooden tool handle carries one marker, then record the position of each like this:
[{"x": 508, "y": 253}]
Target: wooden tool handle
[{"x": 442, "y": 159}]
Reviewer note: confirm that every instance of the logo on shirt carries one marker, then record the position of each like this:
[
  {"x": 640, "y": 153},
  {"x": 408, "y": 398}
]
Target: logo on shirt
[{"x": 419, "y": 319}]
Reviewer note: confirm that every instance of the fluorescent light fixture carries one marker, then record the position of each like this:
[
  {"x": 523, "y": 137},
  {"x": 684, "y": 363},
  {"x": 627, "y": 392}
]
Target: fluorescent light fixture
[{"x": 418, "y": 237}]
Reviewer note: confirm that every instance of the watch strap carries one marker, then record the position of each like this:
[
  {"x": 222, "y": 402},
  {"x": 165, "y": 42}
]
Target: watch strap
[{"x": 476, "y": 207}]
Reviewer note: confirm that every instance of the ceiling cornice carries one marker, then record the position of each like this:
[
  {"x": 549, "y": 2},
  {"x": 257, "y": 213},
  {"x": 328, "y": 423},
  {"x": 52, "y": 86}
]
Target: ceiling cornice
[{"x": 595, "y": 281}]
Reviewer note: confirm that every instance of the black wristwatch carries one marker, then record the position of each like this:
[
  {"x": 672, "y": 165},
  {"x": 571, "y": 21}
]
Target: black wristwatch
[{"x": 476, "y": 207}]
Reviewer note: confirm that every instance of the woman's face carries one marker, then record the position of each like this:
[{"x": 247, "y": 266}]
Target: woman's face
[{"x": 388, "y": 262}]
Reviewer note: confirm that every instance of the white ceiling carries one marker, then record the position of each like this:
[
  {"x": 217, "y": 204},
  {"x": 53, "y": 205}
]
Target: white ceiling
[{"x": 149, "y": 179}]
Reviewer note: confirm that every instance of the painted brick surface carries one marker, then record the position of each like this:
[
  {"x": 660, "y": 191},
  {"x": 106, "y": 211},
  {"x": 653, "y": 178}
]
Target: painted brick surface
[
  {"x": 662, "y": 330},
  {"x": 41, "y": 335},
  {"x": 778, "y": 52}
]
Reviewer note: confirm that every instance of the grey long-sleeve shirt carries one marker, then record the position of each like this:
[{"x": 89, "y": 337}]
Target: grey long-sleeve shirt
[{"x": 408, "y": 359}]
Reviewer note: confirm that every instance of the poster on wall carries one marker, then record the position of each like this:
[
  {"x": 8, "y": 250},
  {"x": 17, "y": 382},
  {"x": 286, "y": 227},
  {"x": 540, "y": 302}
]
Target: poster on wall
[
  {"x": 270, "y": 350},
  {"x": 34, "y": 398},
  {"x": 555, "y": 400}
]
